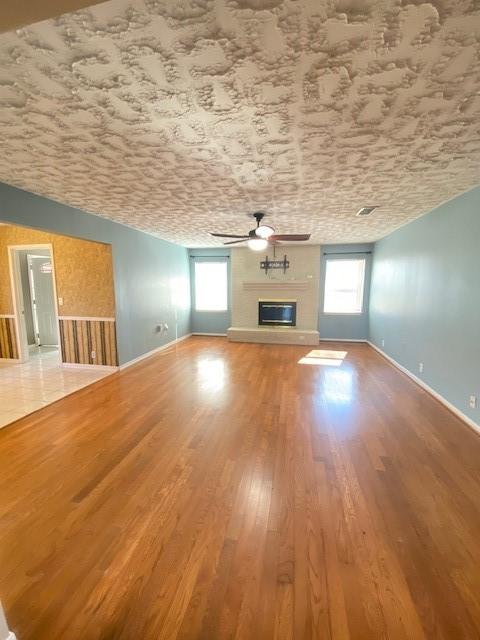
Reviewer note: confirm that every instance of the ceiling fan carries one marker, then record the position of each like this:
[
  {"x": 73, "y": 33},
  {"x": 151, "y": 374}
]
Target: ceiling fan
[{"x": 263, "y": 235}]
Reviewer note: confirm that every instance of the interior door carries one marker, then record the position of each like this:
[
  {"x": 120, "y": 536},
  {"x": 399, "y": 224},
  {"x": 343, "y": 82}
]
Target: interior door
[{"x": 43, "y": 298}]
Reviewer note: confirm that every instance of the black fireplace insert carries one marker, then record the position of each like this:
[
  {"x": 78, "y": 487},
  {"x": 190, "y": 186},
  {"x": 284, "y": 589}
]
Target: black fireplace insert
[{"x": 282, "y": 313}]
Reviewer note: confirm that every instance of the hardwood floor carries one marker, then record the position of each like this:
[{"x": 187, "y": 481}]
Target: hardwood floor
[{"x": 221, "y": 491}]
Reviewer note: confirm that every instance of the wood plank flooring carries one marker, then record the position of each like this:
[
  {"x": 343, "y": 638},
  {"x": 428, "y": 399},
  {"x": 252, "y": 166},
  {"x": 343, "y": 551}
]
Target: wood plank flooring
[{"x": 224, "y": 491}]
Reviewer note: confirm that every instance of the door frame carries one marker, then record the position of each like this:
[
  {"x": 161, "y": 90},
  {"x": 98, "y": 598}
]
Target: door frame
[{"x": 17, "y": 290}]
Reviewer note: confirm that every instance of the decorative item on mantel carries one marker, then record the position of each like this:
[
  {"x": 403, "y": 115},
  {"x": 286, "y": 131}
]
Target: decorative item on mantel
[{"x": 275, "y": 264}]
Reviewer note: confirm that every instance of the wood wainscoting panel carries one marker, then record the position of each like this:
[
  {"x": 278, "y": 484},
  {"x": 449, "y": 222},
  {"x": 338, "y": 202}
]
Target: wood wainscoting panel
[
  {"x": 8, "y": 339},
  {"x": 79, "y": 337}
]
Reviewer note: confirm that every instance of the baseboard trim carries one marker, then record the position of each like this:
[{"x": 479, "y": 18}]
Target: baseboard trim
[
  {"x": 89, "y": 367},
  {"x": 343, "y": 339},
  {"x": 198, "y": 333},
  {"x": 451, "y": 407},
  {"x": 153, "y": 352}
]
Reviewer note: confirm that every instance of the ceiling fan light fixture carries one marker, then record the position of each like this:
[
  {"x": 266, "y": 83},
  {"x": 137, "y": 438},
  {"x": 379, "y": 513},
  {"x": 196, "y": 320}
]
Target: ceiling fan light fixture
[
  {"x": 262, "y": 235},
  {"x": 264, "y": 231},
  {"x": 257, "y": 244}
]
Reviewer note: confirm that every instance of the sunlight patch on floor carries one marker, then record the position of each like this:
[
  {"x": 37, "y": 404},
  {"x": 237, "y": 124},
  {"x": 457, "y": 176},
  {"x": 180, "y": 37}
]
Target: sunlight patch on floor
[
  {"x": 327, "y": 362},
  {"x": 324, "y": 357}
]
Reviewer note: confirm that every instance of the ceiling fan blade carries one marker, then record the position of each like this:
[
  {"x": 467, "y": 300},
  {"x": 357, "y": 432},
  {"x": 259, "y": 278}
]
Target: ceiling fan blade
[
  {"x": 291, "y": 237},
  {"x": 226, "y": 235},
  {"x": 236, "y": 241}
]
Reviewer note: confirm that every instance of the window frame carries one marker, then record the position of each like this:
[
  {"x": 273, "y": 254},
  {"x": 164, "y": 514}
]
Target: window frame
[
  {"x": 203, "y": 261},
  {"x": 364, "y": 272}
]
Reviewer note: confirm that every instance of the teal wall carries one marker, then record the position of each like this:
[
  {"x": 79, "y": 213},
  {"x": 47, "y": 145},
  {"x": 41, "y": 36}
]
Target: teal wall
[
  {"x": 341, "y": 326},
  {"x": 151, "y": 275},
  {"x": 425, "y": 299},
  {"x": 207, "y": 321}
]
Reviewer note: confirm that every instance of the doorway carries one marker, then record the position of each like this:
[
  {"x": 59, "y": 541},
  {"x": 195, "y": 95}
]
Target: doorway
[
  {"x": 35, "y": 302},
  {"x": 42, "y": 298}
]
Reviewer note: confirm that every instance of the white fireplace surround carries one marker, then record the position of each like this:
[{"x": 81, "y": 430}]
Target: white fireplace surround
[
  {"x": 250, "y": 285},
  {"x": 273, "y": 285}
]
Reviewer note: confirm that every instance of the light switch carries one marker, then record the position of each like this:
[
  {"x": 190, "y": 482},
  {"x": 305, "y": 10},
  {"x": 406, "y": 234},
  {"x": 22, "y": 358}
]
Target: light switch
[{"x": 60, "y": 302}]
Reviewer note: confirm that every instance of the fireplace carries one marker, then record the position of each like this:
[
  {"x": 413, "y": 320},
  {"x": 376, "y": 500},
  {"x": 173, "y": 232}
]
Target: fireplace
[{"x": 281, "y": 313}]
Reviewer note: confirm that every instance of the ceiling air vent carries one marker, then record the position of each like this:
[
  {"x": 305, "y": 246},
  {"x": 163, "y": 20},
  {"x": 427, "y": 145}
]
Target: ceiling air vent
[{"x": 365, "y": 211}]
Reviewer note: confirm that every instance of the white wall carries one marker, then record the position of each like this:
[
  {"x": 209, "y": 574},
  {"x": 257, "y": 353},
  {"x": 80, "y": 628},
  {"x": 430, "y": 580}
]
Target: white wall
[{"x": 304, "y": 266}]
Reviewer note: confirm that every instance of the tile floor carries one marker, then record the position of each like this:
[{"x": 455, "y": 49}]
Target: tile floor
[{"x": 26, "y": 387}]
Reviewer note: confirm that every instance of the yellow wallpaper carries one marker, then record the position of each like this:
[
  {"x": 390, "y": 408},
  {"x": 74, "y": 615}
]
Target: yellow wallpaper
[{"x": 83, "y": 272}]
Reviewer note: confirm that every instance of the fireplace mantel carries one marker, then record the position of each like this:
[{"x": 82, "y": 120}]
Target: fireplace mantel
[{"x": 276, "y": 285}]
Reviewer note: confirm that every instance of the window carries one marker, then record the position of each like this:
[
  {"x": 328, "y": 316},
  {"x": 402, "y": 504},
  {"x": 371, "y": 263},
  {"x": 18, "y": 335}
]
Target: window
[
  {"x": 211, "y": 286},
  {"x": 344, "y": 280}
]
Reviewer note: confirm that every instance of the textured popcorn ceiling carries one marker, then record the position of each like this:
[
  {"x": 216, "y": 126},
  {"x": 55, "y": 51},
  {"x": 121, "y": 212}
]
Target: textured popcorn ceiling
[{"x": 180, "y": 117}]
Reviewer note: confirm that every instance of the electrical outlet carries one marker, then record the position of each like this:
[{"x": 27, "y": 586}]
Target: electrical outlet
[
  {"x": 93, "y": 355},
  {"x": 420, "y": 367},
  {"x": 383, "y": 343},
  {"x": 473, "y": 402},
  {"x": 60, "y": 302}
]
